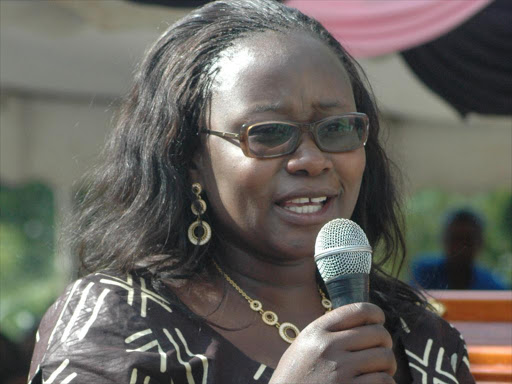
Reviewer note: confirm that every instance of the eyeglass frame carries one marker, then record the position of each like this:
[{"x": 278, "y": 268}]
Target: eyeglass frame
[{"x": 242, "y": 137}]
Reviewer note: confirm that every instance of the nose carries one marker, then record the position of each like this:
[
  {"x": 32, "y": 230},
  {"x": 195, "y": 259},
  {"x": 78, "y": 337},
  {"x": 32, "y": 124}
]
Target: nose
[{"x": 308, "y": 159}]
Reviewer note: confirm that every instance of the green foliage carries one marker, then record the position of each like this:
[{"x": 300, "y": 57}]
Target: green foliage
[
  {"x": 426, "y": 209},
  {"x": 28, "y": 279}
]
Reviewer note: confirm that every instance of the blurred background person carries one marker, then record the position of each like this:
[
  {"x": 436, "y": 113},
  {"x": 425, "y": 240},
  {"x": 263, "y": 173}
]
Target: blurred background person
[{"x": 456, "y": 267}]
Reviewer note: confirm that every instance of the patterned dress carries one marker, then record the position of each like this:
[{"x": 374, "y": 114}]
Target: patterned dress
[{"x": 107, "y": 329}]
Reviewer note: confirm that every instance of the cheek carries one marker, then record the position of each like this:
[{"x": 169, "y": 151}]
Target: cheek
[
  {"x": 238, "y": 187},
  {"x": 350, "y": 168}
]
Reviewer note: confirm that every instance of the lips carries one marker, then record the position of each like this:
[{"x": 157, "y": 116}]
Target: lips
[
  {"x": 304, "y": 205},
  {"x": 308, "y": 207}
]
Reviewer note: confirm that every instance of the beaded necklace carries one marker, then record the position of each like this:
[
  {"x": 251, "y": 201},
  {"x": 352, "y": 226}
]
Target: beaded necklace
[{"x": 269, "y": 317}]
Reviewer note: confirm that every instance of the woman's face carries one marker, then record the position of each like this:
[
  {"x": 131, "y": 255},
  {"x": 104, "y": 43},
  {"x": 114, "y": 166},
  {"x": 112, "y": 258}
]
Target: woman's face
[{"x": 258, "y": 204}]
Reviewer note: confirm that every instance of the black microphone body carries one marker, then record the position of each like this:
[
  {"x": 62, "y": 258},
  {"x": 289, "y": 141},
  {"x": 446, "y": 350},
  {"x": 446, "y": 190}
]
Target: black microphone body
[{"x": 348, "y": 289}]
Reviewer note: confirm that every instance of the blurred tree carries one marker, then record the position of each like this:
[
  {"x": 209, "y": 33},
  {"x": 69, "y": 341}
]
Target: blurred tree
[{"x": 27, "y": 275}]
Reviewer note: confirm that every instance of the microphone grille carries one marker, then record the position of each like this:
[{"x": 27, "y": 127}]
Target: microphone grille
[{"x": 342, "y": 248}]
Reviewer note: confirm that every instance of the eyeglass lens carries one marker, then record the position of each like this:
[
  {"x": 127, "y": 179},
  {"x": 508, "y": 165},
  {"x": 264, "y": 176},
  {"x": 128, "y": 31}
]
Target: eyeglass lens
[{"x": 338, "y": 134}]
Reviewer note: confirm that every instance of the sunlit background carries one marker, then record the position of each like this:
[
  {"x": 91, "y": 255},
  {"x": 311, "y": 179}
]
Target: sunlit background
[{"x": 64, "y": 65}]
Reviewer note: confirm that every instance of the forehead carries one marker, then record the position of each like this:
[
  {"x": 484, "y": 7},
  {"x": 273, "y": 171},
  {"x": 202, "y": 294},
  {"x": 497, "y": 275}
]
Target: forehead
[{"x": 289, "y": 73}]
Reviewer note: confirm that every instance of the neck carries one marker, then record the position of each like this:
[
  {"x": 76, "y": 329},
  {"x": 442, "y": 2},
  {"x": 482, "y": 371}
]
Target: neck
[
  {"x": 459, "y": 265},
  {"x": 279, "y": 283},
  {"x": 459, "y": 274}
]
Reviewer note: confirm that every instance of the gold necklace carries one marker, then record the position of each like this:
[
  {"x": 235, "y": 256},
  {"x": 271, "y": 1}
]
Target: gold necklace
[{"x": 269, "y": 317}]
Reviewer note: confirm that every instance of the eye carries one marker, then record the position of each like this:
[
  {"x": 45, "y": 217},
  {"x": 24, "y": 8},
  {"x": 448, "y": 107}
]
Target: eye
[
  {"x": 339, "y": 134},
  {"x": 340, "y": 126},
  {"x": 271, "y": 134}
]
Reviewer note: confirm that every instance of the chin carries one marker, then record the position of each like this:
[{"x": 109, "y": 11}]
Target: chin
[{"x": 297, "y": 250}]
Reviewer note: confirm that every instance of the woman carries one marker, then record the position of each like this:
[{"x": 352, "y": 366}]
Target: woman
[{"x": 218, "y": 119}]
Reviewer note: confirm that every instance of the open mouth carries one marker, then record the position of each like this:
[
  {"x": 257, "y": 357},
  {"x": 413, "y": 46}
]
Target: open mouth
[{"x": 305, "y": 205}]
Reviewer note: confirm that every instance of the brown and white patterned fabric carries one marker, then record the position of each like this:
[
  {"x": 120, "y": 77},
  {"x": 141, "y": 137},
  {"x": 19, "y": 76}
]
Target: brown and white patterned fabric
[
  {"x": 106, "y": 329},
  {"x": 436, "y": 352}
]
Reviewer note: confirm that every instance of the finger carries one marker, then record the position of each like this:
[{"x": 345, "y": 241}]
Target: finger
[
  {"x": 373, "y": 360},
  {"x": 365, "y": 337},
  {"x": 374, "y": 378},
  {"x": 352, "y": 315}
]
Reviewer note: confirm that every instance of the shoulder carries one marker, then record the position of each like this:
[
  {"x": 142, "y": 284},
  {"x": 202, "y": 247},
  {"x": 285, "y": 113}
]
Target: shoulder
[
  {"x": 435, "y": 348},
  {"x": 429, "y": 272},
  {"x": 432, "y": 326},
  {"x": 485, "y": 279},
  {"x": 95, "y": 323},
  {"x": 103, "y": 298},
  {"x": 428, "y": 261}
]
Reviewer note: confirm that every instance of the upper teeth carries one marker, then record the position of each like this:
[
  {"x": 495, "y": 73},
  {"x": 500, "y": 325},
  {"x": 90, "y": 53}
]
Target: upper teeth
[
  {"x": 304, "y": 208},
  {"x": 305, "y": 200}
]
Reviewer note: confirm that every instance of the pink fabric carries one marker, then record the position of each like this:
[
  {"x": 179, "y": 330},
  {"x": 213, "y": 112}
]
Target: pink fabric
[{"x": 369, "y": 28}]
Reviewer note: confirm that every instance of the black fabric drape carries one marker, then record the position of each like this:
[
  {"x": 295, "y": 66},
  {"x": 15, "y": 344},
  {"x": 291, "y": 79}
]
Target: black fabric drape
[
  {"x": 471, "y": 66},
  {"x": 173, "y": 3}
]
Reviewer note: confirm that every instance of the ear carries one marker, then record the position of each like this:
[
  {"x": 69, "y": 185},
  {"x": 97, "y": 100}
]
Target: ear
[{"x": 196, "y": 165}]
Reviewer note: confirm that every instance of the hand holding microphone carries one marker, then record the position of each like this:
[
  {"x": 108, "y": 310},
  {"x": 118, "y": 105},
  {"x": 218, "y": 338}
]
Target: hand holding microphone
[{"x": 348, "y": 344}]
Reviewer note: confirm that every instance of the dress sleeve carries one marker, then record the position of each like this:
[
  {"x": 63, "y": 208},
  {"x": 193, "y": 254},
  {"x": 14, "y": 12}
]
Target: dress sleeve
[
  {"x": 94, "y": 334},
  {"x": 435, "y": 350},
  {"x": 111, "y": 329},
  {"x": 462, "y": 371}
]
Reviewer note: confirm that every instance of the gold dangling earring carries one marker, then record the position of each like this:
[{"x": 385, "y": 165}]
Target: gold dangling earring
[{"x": 199, "y": 232}]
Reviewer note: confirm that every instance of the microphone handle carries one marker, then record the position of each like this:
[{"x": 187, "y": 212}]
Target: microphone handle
[{"x": 348, "y": 289}]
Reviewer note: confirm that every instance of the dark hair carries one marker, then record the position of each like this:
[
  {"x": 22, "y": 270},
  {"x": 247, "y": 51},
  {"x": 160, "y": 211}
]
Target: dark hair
[
  {"x": 466, "y": 215},
  {"x": 137, "y": 209}
]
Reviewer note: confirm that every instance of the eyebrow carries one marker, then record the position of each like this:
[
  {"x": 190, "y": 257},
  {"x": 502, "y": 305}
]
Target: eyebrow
[
  {"x": 279, "y": 107},
  {"x": 329, "y": 104},
  {"x": 273, "y": 107}
]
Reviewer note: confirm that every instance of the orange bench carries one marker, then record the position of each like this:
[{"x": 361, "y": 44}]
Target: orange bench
[{"x": 484, "y": 318}]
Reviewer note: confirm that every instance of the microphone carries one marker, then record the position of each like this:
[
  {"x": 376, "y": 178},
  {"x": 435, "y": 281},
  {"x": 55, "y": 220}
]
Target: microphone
[{"x": 344, "y": 258}]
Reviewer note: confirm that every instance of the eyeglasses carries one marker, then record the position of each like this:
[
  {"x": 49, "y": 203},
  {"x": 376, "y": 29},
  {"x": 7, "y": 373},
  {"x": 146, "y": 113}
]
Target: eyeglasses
[{"x": 277, "y": 138}]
